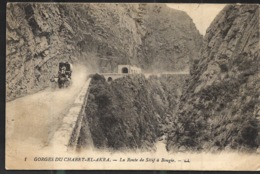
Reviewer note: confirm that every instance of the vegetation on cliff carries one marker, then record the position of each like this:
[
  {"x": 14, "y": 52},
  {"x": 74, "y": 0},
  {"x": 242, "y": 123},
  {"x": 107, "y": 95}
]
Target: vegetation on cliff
[
  {"x": 100, "y": 36},
  {"x": 219, "y": 107},
  {"x": 131, "y": 112}
]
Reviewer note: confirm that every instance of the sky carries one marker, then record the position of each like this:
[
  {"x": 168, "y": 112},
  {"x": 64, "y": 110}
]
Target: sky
[{"x": 201, "y": 14}]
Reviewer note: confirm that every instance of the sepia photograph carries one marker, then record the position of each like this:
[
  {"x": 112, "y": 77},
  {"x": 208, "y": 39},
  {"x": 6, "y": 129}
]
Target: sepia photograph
[{"x": 132, "y": 86}]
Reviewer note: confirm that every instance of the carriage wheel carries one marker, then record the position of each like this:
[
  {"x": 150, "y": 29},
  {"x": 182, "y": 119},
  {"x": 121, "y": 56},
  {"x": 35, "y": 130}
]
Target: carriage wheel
[{"x": 66, "y": 83}]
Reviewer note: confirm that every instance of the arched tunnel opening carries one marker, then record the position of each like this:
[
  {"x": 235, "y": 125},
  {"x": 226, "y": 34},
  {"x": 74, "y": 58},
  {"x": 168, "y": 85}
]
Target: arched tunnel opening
[
  {"x": 109, "y": 79},
  {"x": 124, "y": 70}
]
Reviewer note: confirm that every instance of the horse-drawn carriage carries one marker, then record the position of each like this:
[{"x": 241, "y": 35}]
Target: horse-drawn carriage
[{"x": 63, "y": 78}]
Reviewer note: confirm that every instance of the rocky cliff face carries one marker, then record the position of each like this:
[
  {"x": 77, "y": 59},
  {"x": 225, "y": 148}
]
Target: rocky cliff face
[
  {"x": 101, "y": 36},
  {"x": 131, "y": 112},
  {"x": 171, "y": 41},
  {"x": 219, "y": 108},
  {"x": 38, "y": 37}
]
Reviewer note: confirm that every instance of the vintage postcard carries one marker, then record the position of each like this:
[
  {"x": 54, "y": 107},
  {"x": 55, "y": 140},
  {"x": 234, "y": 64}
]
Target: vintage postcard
[{"x": 132, "y": 86}]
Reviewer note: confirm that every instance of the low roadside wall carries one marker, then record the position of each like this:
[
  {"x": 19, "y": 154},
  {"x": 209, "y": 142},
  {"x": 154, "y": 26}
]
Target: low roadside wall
[{"x": 66, "y": 137}]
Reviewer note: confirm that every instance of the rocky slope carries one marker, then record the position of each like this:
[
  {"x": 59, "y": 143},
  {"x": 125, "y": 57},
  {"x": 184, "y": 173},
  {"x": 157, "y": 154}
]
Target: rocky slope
[
  {"x": 37, "y": 39},
  {"x": 101, "y": 36},
  {"x": 220, "y": 106},
  {"x": 171, "y": 41},
  {"x": 130, "y": 113}
]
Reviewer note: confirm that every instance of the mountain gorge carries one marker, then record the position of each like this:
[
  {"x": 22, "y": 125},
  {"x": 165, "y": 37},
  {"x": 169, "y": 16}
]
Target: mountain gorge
[
  {"x": 219, "y": 107},
  {"x": 100, "y": 36},
  {"x": 131, "y": 112},
  {"x": 214, "y": 108}
]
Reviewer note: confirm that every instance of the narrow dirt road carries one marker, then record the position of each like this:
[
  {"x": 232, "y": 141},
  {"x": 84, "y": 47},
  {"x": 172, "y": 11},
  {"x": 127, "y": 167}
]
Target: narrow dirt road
[{"x": 32, "y": 120}]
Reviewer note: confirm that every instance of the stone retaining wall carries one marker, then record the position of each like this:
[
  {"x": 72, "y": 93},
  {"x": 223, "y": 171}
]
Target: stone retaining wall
[{"x": 67, "y": 135}]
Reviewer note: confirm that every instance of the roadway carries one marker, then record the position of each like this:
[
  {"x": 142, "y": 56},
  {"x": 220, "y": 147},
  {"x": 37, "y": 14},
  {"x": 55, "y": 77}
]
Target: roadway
[{"x": 31, "y": 121}]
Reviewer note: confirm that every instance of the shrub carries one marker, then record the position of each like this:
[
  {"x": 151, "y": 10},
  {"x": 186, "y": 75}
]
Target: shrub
[
  {"x": 223, "y": 67},
  {"x": 97, "y": 77},
  {"x": 248, "y": 134}
]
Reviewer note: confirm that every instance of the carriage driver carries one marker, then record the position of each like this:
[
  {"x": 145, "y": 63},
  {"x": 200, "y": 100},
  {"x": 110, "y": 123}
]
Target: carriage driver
[
  {"x": 62, "y": 72},
  {"x": 69, "y": 71}
]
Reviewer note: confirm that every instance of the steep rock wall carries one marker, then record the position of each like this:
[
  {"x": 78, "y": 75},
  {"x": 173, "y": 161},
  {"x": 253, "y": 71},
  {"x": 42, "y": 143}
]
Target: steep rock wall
[
  {"x": 100, "y": 36},
  {"x": 130, "y": 112},
  {"x": 34, "y": 44},
  {"x": 171, "y": 41},
  {"x": 219, "y": 108}
]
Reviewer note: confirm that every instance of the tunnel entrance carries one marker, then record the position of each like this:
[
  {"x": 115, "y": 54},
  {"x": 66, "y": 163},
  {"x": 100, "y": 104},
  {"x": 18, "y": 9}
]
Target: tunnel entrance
[
  {"x": 124, "y": 70},
  {"x": 109, "y": 79}
]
